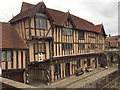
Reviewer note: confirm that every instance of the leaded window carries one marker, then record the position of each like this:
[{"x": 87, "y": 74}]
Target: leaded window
[
  {"x": 67, "y": 31},
  {"x": 67, "y": 46},
  {"x": 39, "y": 48},
  {"x": 41, "y": 23},
  {"x": 81, "y": 46},
  {"x": 80, "y": 35},
  {"x": 6, "y": 55}
]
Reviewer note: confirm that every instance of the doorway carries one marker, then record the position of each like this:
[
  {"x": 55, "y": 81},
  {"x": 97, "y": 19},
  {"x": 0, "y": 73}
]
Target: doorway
[
  {"x": 95, "y": 62},
  {"x": 67, "y": 69},
  {"x": 88, "y": 62}
]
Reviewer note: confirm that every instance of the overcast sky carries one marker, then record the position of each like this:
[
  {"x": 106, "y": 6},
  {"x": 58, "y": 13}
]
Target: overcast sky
[{"x": 95, "y": 11}]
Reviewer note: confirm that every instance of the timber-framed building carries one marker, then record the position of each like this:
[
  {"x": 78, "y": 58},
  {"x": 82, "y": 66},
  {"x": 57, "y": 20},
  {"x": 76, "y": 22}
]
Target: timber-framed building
[
  {"x": 59, "y": 43},
  {"x": 14, "y": 56}
]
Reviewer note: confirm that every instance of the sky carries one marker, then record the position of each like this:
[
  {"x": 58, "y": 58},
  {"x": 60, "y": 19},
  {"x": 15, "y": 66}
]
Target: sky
[{"x": 96, "y": 11}]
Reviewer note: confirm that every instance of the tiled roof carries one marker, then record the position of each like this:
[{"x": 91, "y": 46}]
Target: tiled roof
[
  {"x": 112, "y": 41},
  {"x": 58, "y": 17},
  {"x": 10, "y": 38},
  {"x": 100, "y": 29},
  {"x": 26, "y": 6}
]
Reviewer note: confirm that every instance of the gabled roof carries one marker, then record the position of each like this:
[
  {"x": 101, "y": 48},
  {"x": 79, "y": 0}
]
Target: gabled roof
[
  {"x": 100, "y": 29},
  {"x": 113, "y": 41},
  {"x": 30, "y": 11},
  {"x": 10, "y": 38},
  {"x": 26, "y": 6},
  {"x": 58, "y": 17},
  {"x": 112, "y": 38}
]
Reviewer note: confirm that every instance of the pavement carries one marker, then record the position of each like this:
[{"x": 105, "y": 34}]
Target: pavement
[{"x": 79, "y": 81}]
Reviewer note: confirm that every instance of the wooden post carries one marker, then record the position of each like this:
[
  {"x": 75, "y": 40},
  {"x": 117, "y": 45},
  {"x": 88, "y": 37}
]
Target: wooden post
[
  {"x": 52, "y": 73},
  {"x": 70, "y": 67},
  {"x": 61, "y": 65},
  {"x": 64, "y": 68}
]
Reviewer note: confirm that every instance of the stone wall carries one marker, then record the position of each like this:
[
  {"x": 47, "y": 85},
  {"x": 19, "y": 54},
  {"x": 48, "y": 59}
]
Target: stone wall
[
  {"x": 114, "y": 83},
  {"x": 102, "y": 82}
]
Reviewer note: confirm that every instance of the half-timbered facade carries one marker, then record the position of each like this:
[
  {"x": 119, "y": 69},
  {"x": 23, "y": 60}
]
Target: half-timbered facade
[
  {"x": 112, "y": 44},
  {"x": 14, "y": 54},
  {"x": 59, "y": 43}
]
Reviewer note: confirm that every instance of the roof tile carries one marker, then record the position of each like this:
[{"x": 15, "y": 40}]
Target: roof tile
[{"x": 10, "y": 38}]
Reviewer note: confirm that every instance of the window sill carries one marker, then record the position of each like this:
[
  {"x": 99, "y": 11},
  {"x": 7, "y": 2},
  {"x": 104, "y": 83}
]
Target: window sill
[
  {"x": 67, "y": 49},
  {"x": 41, "y": 29}
]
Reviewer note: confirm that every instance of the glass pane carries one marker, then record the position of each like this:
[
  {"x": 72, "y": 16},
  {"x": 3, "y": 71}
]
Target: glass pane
[
  {"x": 43, "y": 23},
  {"x": 37, "y": 23},
  {"x": 67, "y": 31},
  {"x": 36, "y": 48},
  {"x": 4, "y": 57},
  {"x": 81, "y": 34},
  {"x": 81, "y": 46},
  {"x": 8, "y": 55},
  {"x": 41, "y": 47}
]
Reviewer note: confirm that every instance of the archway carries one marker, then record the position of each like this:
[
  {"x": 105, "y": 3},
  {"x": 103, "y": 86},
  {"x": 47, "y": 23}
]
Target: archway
[
  {"x": 112, "y": 58},
  {"x": 103, "y": 60}
]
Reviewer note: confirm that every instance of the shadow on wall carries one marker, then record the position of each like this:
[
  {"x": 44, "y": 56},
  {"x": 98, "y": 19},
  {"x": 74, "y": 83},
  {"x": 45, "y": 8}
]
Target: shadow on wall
[{"x": 103, "y": 60}]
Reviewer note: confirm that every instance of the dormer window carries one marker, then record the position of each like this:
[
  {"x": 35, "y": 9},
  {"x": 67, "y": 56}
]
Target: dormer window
[{"x": 41, "y": 23}]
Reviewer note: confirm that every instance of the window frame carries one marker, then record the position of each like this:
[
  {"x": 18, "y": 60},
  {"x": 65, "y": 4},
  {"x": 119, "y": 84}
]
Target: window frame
[
  {"x": 80, "y": 45},
  {"x": 38, "y": 47},
  {"x": 79, "y": 35},
  {"x": 64, "y": 31},
  {"x": 40, "y": 25},
  {"x": 6, "y": 56},
  {"x": 67, "y": 46}
]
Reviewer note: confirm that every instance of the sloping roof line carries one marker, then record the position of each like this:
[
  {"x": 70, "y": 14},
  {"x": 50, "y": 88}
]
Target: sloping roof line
[
  {"x": 26, "y": 6},
  {"x": 100, "y": 29},
  {"x": 58, "y": 17},
  {"x": 113, "y": 41},
  {"x": 10, "y": 37}
]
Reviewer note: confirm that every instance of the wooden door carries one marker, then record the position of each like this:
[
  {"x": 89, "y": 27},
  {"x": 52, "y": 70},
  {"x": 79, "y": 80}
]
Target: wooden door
[{"x": 67, "y": 69}]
